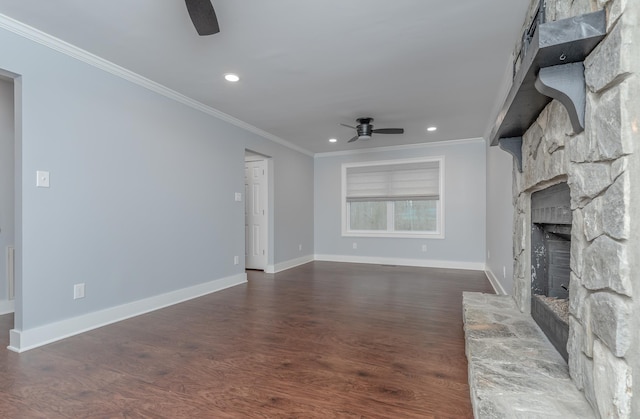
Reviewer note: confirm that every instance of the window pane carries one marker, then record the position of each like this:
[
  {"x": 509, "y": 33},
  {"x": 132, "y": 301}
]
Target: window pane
[
  {"x": 416, "y": 215},
  {"x": 368, "y": 215}
]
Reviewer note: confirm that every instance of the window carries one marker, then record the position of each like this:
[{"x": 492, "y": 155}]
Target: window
[{"x": 399, "y": 198}]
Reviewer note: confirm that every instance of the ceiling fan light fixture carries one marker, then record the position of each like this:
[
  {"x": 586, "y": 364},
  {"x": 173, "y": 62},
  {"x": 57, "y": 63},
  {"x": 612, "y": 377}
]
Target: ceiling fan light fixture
[
  {"x": 364, "y": 137},
  {"x": 230, "y": 77}
]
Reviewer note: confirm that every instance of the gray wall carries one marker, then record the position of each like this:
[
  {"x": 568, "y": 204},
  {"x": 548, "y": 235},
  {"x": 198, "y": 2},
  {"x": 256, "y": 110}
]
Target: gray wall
[
  {"x": 500, "y": 217},
  {"x": 464, "y": 207},
  {"x": 142, "y": 189},
  {"x": 500, "y": 196},
  {"x": 6, "y": 180}
]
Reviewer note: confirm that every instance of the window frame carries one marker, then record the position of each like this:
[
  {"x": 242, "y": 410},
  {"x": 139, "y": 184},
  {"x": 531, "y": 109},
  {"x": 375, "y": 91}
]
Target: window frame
[{"x": 440, "y": 220}]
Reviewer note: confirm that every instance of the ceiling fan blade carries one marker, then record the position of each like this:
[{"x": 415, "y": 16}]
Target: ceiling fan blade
[
  {"x": 353, "y": 139},
  {"x": 389, "y": 131},
  {"x": 348, "y": 126},
  {"x": 203, "y": 16}
]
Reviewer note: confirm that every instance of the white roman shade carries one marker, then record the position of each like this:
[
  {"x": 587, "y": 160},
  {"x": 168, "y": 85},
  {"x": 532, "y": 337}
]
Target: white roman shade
[{"x": 394, "y": 182}]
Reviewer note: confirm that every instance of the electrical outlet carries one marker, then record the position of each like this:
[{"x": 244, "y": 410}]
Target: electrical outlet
[
  {"x": 78, "y": 291},
  {"x": 424, "y": 247},
  {"x": 355, "y": 245},
  {"x": 300, "y": 247},
  {"x": 488, "y": 254},
  {"x": 504, "y": 272},
  {"x": 236, "y": 260},
  {"x": 238, "y": 196}
]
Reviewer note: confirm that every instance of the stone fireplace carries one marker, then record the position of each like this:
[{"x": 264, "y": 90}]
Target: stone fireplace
[
  {"x": 572, "y": 122},
  {"x": 600, "y": 168}
]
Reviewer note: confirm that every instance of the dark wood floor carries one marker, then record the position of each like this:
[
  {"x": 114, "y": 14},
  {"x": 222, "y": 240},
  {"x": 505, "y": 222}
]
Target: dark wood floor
[{"x": 324, "y": 340}]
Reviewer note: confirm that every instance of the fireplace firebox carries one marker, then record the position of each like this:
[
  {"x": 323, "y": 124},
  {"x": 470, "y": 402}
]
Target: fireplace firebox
[{"x": 551, "y": 220}]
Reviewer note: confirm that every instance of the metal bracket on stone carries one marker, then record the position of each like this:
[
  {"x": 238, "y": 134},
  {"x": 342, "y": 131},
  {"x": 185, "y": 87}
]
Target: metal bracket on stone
[
  {"x": 513, "y": 146},
  {"x": 566, "y": 84}
]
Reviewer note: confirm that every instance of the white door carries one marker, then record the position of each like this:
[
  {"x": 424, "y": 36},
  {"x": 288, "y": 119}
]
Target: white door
[{"x": 255, "y": 188}]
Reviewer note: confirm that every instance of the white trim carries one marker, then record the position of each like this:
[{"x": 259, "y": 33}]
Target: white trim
[
  {"x": 422, "y": 263},
  {"x": 11, "y": 272},
  {"x": 79, "y": 54},
  {"x": 395, "y": 235},
  {"x": 497, "y": 286},
  {"x": 23, "y": 340},
  {"x": 400, "y": 147},
  {"x": 7, "y": 306},
  {"x": 291, "y": 263}
]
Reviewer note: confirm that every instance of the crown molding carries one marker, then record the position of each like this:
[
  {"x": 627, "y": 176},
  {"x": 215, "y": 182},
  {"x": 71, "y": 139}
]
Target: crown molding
[
  {"x": 400, "y": 147},
  {"x": 79, "y": 54}
]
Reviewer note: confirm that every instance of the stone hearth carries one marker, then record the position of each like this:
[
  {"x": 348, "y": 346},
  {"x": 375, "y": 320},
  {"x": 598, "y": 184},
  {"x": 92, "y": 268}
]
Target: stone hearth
[
  {"x": 602, "y": 168},
  {"x": 514, "y": 372}
]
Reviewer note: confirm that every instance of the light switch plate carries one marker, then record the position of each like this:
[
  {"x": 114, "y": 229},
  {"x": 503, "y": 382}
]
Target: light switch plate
[
  {"x": 78, "y": 291},
  {"x": 42, "y": 179}
]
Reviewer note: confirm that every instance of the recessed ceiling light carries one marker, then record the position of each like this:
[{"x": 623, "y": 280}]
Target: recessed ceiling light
[
  {"x": 231, "y": 77},
  {"x": 333, "y": 140},
  {"x": 431, "y": 129}
]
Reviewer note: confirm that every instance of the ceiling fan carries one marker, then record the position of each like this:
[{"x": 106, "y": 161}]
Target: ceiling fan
[
  {"x": 365, "y": 129},
  {"x": 203, "y": 16}
]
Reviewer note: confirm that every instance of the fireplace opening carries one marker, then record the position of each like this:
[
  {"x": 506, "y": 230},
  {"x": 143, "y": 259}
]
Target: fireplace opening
[{"x": 551, "y": 220}]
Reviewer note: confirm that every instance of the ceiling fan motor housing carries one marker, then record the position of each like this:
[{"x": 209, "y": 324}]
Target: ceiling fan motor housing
[{"x": 364, "y": 128}]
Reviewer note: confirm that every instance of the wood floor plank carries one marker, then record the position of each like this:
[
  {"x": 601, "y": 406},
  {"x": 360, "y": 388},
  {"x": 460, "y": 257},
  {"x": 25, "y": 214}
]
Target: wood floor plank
[{"x": 323, "y": 340}]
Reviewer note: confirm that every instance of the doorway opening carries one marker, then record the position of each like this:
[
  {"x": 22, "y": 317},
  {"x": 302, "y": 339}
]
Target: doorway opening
[
  {"x": 256, "y": 214},
  {"x": 10, "y": 202}
]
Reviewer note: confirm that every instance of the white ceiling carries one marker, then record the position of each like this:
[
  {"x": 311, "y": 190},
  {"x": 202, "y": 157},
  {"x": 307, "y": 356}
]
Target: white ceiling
[{"x": 306, "y": 66}]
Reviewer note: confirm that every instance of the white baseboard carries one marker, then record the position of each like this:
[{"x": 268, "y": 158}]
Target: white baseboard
[
  {"x": 422, "y": 263},
  {"x": 292, "y": 263},
  {"x": 497, "y": 286},
  {"x": 23, "y": 340},
  {"x": 7, "y": 306}
]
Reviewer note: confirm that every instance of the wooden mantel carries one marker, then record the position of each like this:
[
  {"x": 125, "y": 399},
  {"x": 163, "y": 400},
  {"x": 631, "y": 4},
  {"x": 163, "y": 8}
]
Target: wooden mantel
[{"x": 552, "y": 68}]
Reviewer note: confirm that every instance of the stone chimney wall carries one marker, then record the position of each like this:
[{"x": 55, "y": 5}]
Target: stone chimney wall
[{"x": 602, "y": 168}]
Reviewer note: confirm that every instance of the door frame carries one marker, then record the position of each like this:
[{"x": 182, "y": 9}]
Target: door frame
[
  {"x": 251, "y": 155},
  {"x": 15, "y": 305}
]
